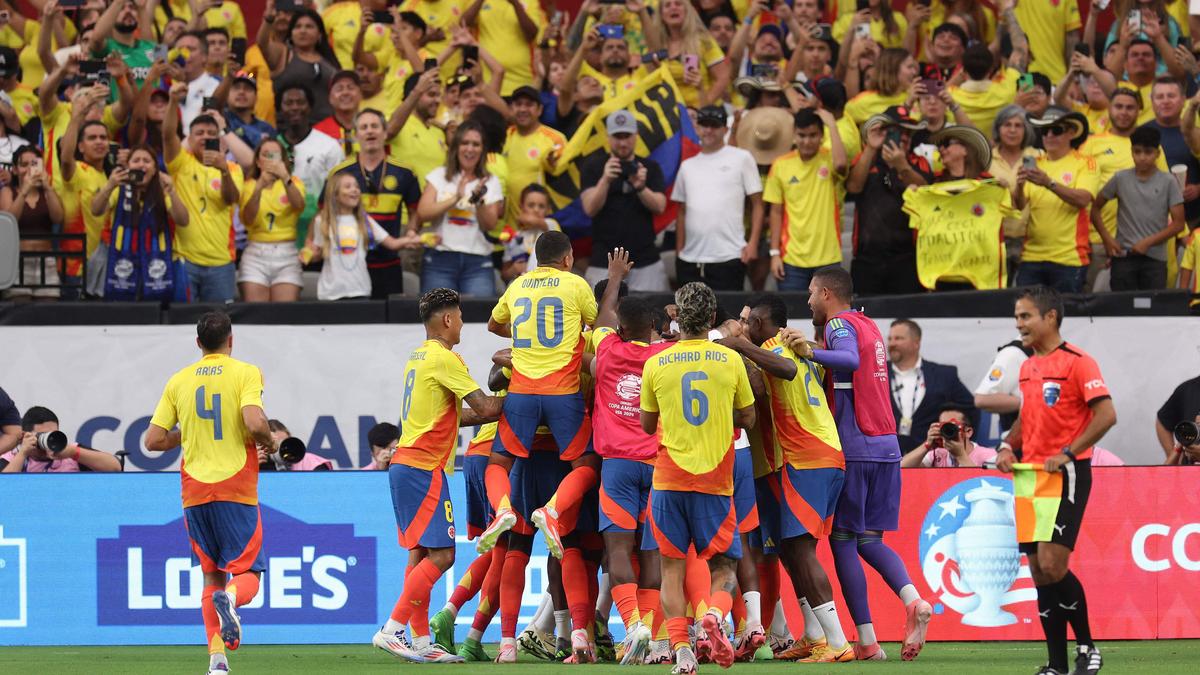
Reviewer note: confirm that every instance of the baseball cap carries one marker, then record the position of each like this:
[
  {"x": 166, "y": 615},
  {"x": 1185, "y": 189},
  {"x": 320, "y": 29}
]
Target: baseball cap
[
  {"x": 8, "y": 62},
  {"x": 621, "y": 122},
  {"x": 345, "y": 75},
  {"x": 526, "y": 91},
  {"x": 772, "y": 29},
  {"x": 245, "y": 76},
  {"x": 712, "y": 116},
  {"x": 952, "y": 28}
]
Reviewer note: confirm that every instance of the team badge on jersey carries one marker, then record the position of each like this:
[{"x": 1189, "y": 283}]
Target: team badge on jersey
[{"x": 1051, "y": 391}]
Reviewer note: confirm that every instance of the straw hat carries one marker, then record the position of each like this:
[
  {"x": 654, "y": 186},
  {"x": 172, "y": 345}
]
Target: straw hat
[
  {"x": 1055, "y": 116},
  {"x": 746, "y": 86},
  {"x": 766, "y": 133},
  {"x": 972, "y": 139}
]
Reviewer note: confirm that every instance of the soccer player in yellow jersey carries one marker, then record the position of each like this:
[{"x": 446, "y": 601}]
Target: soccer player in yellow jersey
[
  {"x": 805, "y": 185},
  {"x": 217, "y": 403},
  {"x": 693, "y": 395},
  {"x": 435, "y": 384},
  {"x": 814, "y": 468},
  {"x": 544, "y": 312}
]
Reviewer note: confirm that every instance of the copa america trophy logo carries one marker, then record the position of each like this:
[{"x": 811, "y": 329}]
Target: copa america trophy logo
[{"x": 969, "y": 553}]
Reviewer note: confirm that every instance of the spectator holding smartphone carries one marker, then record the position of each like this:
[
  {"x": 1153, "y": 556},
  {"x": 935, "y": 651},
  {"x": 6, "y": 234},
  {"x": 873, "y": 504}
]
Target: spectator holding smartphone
[
  {"x": 209, "y": 187},
  {"x": 136, "y": 201},
  {"x": 463, "y": 202},
  {"x": 696, "y": 62},
  {"x": 37, "y": 210},
  {"x": 341, "y": 235},
  {"x": 1149, "y": 213},
  {"x": 271, "y": 208}
]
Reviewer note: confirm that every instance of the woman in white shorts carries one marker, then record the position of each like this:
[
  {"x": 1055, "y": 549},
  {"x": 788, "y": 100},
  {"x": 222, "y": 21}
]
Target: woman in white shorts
[{"x": 271, "y": 206}]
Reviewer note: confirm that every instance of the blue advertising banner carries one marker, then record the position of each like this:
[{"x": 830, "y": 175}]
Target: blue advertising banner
[{"x": 103, "y": 559}]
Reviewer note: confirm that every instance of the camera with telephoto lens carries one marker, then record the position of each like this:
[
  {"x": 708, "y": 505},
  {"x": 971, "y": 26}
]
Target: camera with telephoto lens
[
  {"x": 52, "y": 442},
  {"x": 950, "y": 431},
  {"x": 1187, "y": 433},
  {"x": 291, "y": 450}
]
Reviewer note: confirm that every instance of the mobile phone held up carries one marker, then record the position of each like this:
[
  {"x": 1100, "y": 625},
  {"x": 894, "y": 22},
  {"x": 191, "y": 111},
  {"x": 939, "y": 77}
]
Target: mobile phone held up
[{"x": 611, "y": 31}]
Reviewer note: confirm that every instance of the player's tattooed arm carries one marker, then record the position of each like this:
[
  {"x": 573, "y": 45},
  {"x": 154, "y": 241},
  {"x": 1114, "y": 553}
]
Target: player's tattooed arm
[{"x": 481, "y": 409}]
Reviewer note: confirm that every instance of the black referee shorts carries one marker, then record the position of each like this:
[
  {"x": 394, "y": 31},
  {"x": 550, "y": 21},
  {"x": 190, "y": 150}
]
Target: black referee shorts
[{"x": 1077, "y": 485}]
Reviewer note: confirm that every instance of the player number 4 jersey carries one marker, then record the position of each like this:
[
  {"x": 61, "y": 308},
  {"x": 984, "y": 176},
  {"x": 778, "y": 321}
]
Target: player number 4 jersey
[
  {"x": 220, "y": 461},
  {"x": 695, "y": 386}
]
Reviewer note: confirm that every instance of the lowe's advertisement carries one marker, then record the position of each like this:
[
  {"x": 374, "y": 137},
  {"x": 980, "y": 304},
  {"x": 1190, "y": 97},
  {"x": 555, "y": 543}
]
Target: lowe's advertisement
[{"x": 105, "y": 560}]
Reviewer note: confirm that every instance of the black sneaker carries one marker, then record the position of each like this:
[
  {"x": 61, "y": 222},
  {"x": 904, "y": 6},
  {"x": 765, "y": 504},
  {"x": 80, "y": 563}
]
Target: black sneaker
[
  {"x": 1087, "y": 660},
  {"x": 1047, "y": 670}
]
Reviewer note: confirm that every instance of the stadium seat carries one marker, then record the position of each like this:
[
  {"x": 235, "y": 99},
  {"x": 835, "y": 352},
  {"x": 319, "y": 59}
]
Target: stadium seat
[{"x": 10, "y": 250}]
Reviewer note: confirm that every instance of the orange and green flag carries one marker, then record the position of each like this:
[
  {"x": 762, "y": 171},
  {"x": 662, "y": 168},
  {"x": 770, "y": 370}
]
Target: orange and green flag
[{"x": 1037, "y": 495}]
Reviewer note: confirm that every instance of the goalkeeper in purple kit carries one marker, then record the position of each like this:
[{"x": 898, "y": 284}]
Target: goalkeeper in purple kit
[{"x": 857, "y": 377}]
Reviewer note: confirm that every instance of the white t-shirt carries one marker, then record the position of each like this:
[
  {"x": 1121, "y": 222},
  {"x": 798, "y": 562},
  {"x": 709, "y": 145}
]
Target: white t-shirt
[
  {"x": 714, "y": 187},
  {"x": 459, "y": 227},
  {"x": 1001, "y": 376},
  {"x": 344, "y": 272},
  {"x": 198, "y": 89},
  {"x": 313, "y": 158}
]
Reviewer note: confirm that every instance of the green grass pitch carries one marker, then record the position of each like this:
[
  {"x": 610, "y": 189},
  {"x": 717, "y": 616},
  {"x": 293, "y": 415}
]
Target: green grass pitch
[{"x": 1167, "y": 656}]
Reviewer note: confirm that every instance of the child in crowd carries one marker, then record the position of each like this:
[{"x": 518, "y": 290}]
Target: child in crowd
[{"x": 1149, "y": 213}]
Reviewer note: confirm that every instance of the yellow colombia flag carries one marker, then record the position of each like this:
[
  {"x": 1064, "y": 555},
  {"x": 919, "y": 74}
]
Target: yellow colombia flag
[
  {"x": 958, "y": 231},
  {"x": 662, "y": 131},
  {"x": 1036, "y": 498}
]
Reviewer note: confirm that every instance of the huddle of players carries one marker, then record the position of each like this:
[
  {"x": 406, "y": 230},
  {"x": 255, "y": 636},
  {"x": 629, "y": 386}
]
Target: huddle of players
[
  {"x": 816, "y": 472},
  {"x": 715, "y": 457}
]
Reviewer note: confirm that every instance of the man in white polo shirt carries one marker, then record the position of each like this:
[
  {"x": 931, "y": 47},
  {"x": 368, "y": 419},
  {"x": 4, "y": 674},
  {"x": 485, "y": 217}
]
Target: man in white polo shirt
[{"x": 712, "y": 188}]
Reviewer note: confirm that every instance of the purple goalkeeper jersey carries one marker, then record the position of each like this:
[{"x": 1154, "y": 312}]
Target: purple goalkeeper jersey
[{"x": 842, "y": 360}]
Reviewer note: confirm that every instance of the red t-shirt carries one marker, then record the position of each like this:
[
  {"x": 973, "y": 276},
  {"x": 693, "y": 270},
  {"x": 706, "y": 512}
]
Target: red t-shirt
[
  {"x": 1056, "y": 391},
  {"x": 616, "y": 415}
]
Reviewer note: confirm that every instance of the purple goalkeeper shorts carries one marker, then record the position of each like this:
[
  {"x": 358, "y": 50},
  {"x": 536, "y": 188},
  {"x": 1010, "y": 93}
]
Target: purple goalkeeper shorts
[{"x": 870, "y": 500}]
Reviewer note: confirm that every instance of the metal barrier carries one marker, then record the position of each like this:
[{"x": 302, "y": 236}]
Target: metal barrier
[{"x": 58, "y": 256}]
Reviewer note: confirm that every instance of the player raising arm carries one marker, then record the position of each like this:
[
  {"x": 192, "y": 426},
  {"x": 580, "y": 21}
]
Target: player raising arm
[
  {"x": 217, "y": 402},
  {"x": 694, "y": 394},
  {"x": 435, "y": 383},
  {"x": 1065, "y": 410}
]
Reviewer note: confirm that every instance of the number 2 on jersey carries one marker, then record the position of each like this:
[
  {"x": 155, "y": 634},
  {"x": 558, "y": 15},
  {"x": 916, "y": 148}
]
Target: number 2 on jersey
[
  {"x": 691, "y": 395},
  {"x": 548, "y": 337},
  {"x": 810, "y": 374},
  {"x": 206, "y": 413}
]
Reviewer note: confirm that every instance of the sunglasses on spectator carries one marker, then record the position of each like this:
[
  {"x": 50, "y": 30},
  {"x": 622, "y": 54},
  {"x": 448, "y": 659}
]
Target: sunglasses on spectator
[
  {"x": 947, "y": 142},
  {"x": 1057, "y": 130}
]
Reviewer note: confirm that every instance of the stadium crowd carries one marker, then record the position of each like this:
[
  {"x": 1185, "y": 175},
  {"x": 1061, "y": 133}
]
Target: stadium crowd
[{"x": 166, "y": 150}]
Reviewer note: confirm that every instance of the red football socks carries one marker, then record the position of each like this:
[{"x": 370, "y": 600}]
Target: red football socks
[
  {"x": 625, "y": 597},
  {"x": 413, "y": 605},
  {"x": 212, "y": 625},
  {"x": 677, "y": 632},
  {"x": 575, "y": 585},
  {"x": 495, "y": 482},
  {"x": 512, "y": 586},
  {"x": 243, "y": 588},
  {"x": 471, "y": 581}
]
